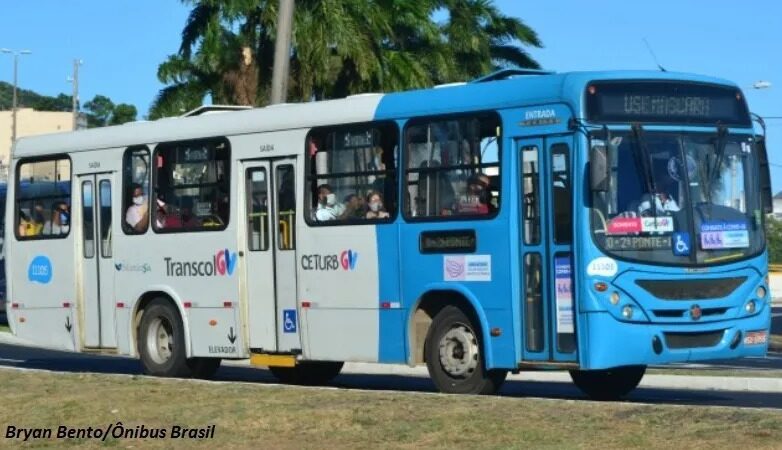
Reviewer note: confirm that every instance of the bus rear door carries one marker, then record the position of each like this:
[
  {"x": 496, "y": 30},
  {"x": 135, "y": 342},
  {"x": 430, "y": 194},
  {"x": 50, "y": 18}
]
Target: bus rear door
[
  {"x": 270, "y": 262},
  {"x": 548, "y": 303}
]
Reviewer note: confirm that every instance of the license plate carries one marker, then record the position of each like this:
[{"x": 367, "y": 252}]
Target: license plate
[{"x": 755, "y": 338}]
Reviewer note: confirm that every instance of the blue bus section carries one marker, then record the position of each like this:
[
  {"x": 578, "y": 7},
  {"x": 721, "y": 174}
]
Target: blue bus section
[{"x": 620, "y": 312}]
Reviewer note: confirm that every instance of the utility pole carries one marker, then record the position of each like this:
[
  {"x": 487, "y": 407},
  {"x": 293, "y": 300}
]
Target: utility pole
[
  {"x": 75, "y": 96},
  {"x": 16, "y": 70},
  {"x": 282, "y": 52}
]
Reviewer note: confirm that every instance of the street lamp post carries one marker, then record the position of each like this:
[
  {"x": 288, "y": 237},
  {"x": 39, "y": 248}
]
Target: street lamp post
[{"x": 16, "y": 67}]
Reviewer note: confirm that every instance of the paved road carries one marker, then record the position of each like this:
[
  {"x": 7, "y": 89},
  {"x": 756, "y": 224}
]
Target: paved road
[{"x": 35, "y": 358}]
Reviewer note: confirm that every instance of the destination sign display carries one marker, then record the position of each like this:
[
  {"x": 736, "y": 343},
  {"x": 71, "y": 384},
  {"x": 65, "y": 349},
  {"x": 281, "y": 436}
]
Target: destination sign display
[
  {"x": 666, "y": 102},
  {"x": 448, "y": 241}
]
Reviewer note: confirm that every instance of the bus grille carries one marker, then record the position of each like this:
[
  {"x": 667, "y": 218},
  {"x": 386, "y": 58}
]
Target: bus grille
[
  {"x": 700, "y": 289},
  {"x": 677, "y": 313},
  {"x": 693, "y": 340}
]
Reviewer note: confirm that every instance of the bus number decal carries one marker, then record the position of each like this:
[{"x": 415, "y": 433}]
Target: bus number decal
[
  {"x": 40, "y": 270},
  {"x": 603, "y": 266}
]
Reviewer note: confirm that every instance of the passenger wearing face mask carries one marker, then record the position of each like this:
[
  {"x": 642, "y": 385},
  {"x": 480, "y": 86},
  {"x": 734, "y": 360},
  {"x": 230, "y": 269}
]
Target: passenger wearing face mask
[
  {"x": 59, "y": 224},
  {"x": 376, "y": 210},
  {"x": 328, "y": 207},
  {"x": 137, "y": 215}
]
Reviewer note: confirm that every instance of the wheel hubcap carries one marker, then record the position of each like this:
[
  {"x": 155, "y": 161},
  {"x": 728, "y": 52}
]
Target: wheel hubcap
[
  {"x": 459, "y": 351},
  {"x": 160, "y": 340}
]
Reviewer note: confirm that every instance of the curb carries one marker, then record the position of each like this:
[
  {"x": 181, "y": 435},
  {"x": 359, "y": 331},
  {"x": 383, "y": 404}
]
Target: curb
[{"x": 656, "y": 381}]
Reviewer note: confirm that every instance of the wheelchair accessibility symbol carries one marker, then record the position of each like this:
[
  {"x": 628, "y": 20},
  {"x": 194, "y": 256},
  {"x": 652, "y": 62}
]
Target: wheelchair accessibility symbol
[
  {"x": 681, "y": 244},
  {"x": 289, "y": 320}
]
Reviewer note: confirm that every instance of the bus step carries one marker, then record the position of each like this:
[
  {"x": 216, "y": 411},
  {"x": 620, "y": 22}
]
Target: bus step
[{"x": 270, "y": 360}]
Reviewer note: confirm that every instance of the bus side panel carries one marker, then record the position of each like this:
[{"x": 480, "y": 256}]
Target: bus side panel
[
  {"x": 338, "y": 276},
  {"x": 488, "y": 293},
  {"x": 393, "y": 318},
  {"x": 43, "y": 286}
]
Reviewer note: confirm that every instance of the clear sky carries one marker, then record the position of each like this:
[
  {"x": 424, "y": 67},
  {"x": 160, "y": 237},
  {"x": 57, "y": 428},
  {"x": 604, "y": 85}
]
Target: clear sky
[{"x": 123, "y": 41}]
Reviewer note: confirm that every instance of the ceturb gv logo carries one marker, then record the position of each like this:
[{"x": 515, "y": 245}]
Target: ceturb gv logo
[
  {"x": 348, "y": 259},
  {"x": 223, "y": 263}
]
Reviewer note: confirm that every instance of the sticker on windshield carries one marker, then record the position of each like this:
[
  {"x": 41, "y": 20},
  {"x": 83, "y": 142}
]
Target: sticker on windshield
[
  {"x": 675, "y": 165},
  {"x": 624, "y": 225},
  {"x": 721, "y": 235},
  {"x": 657, "y": 225},
  {"x": 603, "y": 266},
  {"x": 681, "y": 244}
]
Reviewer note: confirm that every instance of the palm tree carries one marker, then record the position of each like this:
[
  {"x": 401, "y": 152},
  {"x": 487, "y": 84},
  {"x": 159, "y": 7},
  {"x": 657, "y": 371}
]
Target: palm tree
[{"x": 339, "y": 47}]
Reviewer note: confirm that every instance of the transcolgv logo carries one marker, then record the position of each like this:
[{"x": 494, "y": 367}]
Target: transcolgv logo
[{"x": 223, "y": 263}]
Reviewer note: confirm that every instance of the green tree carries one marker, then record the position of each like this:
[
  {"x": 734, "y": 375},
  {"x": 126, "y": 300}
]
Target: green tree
[
  {"x": 339, "y": 47},
  {"x": 123, "y": 113},
  {"x": 99, "y": 111},
  {"x": 774, "y": 238}
]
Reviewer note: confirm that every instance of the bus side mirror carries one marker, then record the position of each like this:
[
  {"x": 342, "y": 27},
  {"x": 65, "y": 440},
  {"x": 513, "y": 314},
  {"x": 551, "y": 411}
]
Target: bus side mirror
[
  {"x": 598, "y": 168},
  {"x": 766, "y": 199}
]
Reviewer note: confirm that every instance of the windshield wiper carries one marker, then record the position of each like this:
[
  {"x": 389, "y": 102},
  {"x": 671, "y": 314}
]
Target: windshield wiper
[
  {"x": 644, "y": 164},
  {"x": 719, "y": 151}
]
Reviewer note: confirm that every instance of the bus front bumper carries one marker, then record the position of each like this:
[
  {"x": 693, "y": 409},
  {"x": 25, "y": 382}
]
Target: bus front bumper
[{"x": 612, "y": 343}]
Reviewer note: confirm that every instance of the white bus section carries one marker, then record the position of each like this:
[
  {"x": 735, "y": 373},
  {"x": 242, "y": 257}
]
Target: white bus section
[{"x": 83, "y": 292}]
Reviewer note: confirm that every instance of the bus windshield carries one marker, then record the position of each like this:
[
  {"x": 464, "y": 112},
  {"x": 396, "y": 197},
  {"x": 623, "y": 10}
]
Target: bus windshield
[{"x": 678, "y": 198}]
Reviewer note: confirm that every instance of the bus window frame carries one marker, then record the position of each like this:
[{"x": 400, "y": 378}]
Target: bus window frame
[
  {"x": 126, "y": 229},
  {"x": 17, "y": 171},
  {"x": 307, "y": 209},
  {"x": 153, "y": 187},
  {"x": 404, "y": 157}
]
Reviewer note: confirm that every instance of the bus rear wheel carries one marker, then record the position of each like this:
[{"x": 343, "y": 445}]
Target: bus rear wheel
[
  {"x": 608, "y": 384},
  {"x": 161, "y": 341},
  {"x": 308, "y": 372},
  {"x": 203, "y": 368},
  {"x": 454, "y": 356}
]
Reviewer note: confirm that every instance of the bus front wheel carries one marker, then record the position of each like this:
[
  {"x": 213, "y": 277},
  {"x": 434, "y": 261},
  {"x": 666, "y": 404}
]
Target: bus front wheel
[
  {"x": 308, "y": 372},
  {"x": 454, "y": 356},
  {"x": 608, "y": 384}
]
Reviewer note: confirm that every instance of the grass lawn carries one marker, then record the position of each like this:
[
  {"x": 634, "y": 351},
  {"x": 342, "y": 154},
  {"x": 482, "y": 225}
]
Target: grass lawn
[{"x": 263, "y": 416}]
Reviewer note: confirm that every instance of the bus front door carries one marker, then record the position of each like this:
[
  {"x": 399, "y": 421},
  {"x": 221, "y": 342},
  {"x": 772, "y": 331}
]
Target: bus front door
[
  {"x": 97, "y": 264},
  {"x": 270, "y": 249},
  {"x": 548, "y": 303}
]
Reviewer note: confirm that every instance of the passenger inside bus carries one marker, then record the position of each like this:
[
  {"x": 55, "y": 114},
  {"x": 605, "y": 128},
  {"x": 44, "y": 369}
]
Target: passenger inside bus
[
  {"x": 476, "y": 199},
  {"x": 137, "y": 215},
  {"x": 375, "y": 204},
  {"x": 354, "y": 207},
  {"x": 161, "y": 214},
  {"x": 185, "y": 218},
  {"x": 328, "y": 207},
  {"x": 25, "y": 224},
  {"x": 59, "y": 222}
]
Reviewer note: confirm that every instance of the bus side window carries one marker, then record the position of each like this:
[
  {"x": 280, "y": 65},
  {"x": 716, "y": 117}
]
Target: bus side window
[
  {"x": 561, "y": 194},
  {"x": 352, "y": 173},
  {"x": 43, "y": 191},
  {"x": 136, "y": 173},
  {"x": 531, "y": 197}
]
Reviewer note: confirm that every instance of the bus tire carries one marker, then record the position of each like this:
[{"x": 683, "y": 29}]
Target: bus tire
[
  {"x": 161, "y": 341},
  {"x": 203, "y": 368},
  {"x": 608, "y": 384},
  {"x": 310, "y": 373},
  {"x": 454, "y": 356}
]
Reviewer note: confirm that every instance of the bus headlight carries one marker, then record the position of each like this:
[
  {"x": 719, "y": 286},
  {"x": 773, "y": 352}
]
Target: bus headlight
[
  {"x": 761, "y": 292},
  {"x": 614, "y": 298},
  {"x": 750, "y": 307},
  {"x": 627, "y": 312}
]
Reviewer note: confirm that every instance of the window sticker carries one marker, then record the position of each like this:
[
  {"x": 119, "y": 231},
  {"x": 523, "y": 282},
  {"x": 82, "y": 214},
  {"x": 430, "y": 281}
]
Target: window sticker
[
  {"x": 722, "y": 235},
  {"x": 624, "y": 225},
  {"x": 564, "y": 295},
  {"x": 657, "y": 225},
  {"x": 681, "y": 244}
]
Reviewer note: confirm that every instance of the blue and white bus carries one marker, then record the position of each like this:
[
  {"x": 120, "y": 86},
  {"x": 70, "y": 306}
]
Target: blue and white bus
[{"x": 595, "y": 222}]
